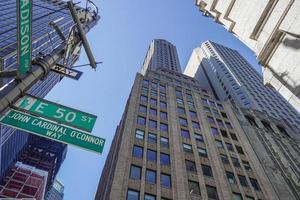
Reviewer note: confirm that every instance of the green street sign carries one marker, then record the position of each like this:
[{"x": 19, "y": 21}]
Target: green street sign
[
  {"x": 52, "y": 130},
  {"x": 24, "y": 34},
  {"x": 57, "y": 112}
]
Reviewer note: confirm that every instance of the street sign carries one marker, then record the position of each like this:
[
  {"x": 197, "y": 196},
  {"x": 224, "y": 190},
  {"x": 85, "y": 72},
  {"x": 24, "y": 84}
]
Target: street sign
[
  {"x": 24, "y": 35},
  {"x": 72, "y": 73},
  {"x": 52, "y": 130},
  {"x": 56, "y": 112}
]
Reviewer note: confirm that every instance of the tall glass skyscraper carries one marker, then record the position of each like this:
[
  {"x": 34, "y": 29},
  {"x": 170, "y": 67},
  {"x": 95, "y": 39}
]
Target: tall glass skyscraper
[
  {"x": 45, "y": 39},
  {"x": 177, "y": 141},
  {"x": 232, "y": 77}
]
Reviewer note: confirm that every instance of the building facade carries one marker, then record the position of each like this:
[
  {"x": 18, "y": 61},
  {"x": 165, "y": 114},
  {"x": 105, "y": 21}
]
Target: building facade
[
  {"x": 56, "y": 191},
  {"x": 45, "y": 39},
  {"x": 24, "y": 181},
  {"x": 232, "y": 77},
  {"x": 176, "y": 141},
  {"x": 271, "y": 30}
]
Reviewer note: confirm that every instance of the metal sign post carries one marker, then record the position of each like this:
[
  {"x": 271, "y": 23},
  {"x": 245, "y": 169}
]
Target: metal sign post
[{"x": 24, "y": 35}]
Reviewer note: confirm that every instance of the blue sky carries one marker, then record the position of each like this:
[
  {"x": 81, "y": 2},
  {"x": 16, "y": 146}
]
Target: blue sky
[{"x": 120, "y": 41}]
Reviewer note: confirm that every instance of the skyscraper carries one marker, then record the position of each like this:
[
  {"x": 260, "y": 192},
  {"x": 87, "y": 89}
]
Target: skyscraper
[
  {"x": 271, "y": 30},
  {"x": 45, "y": 39},
  {"x": 232, "y": 77},
  {"x": 56, "y": 192},
  {"x": 176, "y": 141}
]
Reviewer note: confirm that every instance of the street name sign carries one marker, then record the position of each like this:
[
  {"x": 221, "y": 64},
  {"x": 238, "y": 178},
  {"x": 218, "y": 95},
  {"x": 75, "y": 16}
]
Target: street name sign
[
  {"x": 56, "y": 112},
  {"x": 24, "y": 35},
  {"x": 52, "y": 130},
  {"x": 72, "y": 73}
]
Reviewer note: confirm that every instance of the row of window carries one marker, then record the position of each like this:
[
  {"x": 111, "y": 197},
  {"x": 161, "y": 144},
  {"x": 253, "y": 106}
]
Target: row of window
[
  {"x": 153, "y": 102},
  {"x": 243, "y": 181},
  {"x": 152, "y": 124},
  {"x": 153, "y": 112},
  {"x": 151, "y": 155},
  {"x": 152, "y": 138}
]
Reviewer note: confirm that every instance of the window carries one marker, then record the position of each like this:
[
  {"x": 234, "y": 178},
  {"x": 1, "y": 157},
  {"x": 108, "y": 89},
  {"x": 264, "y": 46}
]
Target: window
[
  {"x": 236, "y": 162},
  {"x": 165, "y": 180},
  {"x": 183, "y": 122},
  {"x": 135, "y": 172},
  {"x": 228, "y": 125},
  {"x": 243, "y": 181},
  {"x": 212, "y": 192},
  {"x": 202, "y": 152},
  {"x": 224, "y": 115},
  {"x": 187, "y": 148},
  {"x": 220, "y": 106},
  {"x": 254, "y": 184},
  {"x": 220, "y": 123},
  {"x": 149, "y": 197},
  {"x": 249, "y": 198},
  {"x": 163, "y": 127},
  {"x": 164, "y": 159},
  {"x": 163, "y": 115},
  {"x": 141, "y": 120},
  {"x": 204, "y": 101},
  {"x": 137, "y": 151},
  {"x": 206, "y": 109},
  {"x": 198, "y": 137},
  {"x": 194, "y": 188},
  {"x": 163, "y": 105},
  {"x": 143, "y": 98},
  {"x": 153, "y": 112},
  {"x": 153, "y": 102},
  {"x": 164, "y": 142},
  {"x": 179, "y": 101},
  {"x": 145, "y": 82},
  {"x": 139, "y": 134},
  {"x": 224, "y": 133},
  {"x": 236, "y": 196},
  {"x": 162, "y": 88},
  {"x": 229, "y": 146},
  {"x": 193, "y": 114},
  {"x": 246, "y": 165},
  {"x": 190, "y": 105},
  {"x": 224, "y": 158},
  {"x": 185, "y": 134},
  {"x": 233, "y": 136},
  {"x": 189, "y": 96},
  {"x": 214, "y": 131},
  {"x": 239, "y": 149},
  {"x": 150, "y": 176},
  {"x": 151, "y": 155},
  {"x": 142, "y": 109},
  {"x": 219, "y": 144},
  {"x": 178, "y": 93},
  {"x": 190, "y": 166},
  {"x": 152, "y": 124},
  {"x": 132, "y": 195},
  {"x": 152, "y": 138},
  {"x": 210, "y": 120},
  {"x": 195, "y": 125},
  {"x": 207, "y": 170},
  {"x": 181, "y": 110},
  {"x": 230, "y": 177}
]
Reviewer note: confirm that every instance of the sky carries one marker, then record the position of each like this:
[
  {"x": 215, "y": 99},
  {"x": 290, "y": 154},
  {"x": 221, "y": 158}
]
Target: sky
[{"x": 120, "y": 40}]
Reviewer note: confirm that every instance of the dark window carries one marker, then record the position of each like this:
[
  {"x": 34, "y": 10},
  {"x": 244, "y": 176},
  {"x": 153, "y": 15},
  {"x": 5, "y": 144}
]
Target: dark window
[
  {"x": 187, "y": 148},
  {"x": 233, "y": 136},
  {"x": 153, "y": 112},
  {"x": 163, "y": 105},
  {"x": 183, "y": 122},
  {"x": 194, "y": 188},
  {"x": 150, "y": 176},
  {"x": 239, "y": 149},
  {"x": 246, "y": 165},
  {"x": 224, "y": 115},
  {"x": 143, "y": 98},
  {"x": 254, "y": 184},
  {"x": 163, "y": 127},
  {"x": 190, "y": 166},
  {"x": 165, "y": 180},
  {"x": 133, "y": 195},
  {"x": 212, "y": 192},
  {"x": 141, "y": 120},
  {"x": 152, "y": 124},
  {"x": 229, "y": 146},
  {"x": 185, "y": 133},
  {"x": 220, "y": 106},
  {"x": 214, "y": 131},
  {"x": 195, "y": 125},
  {"x": 139, "y": 134},
  {"x": 243, "y": 181},
  {"x": 135, "y": 172},
  {"x": 199, "y": 138},
  {"x": 152, "y": 138},
  {"x": 228, "y": 125},
  {"x": 163, "y": 115},
  {"x": 149, "y": 197},
  {"x": 137, "y": 151},
  {"x": 230, "y": 177},
  {"x": 164, "y": 159},
  {"x": 202, "y": 152},
  {"x": 220, "y": 123},
  {"x": 164, "y": 142},
  {"x": 224, "y": 159},
  {"x": 181, "y": 110},
  {"x": 235, "y": 162},
  {"x": 207, "y": 170},
  {"x": 142, "y": 109},
  {"x": 151, "y": 155},
  {"x": 224, "y": 133},
  {"x": 193, "y": 114}
]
